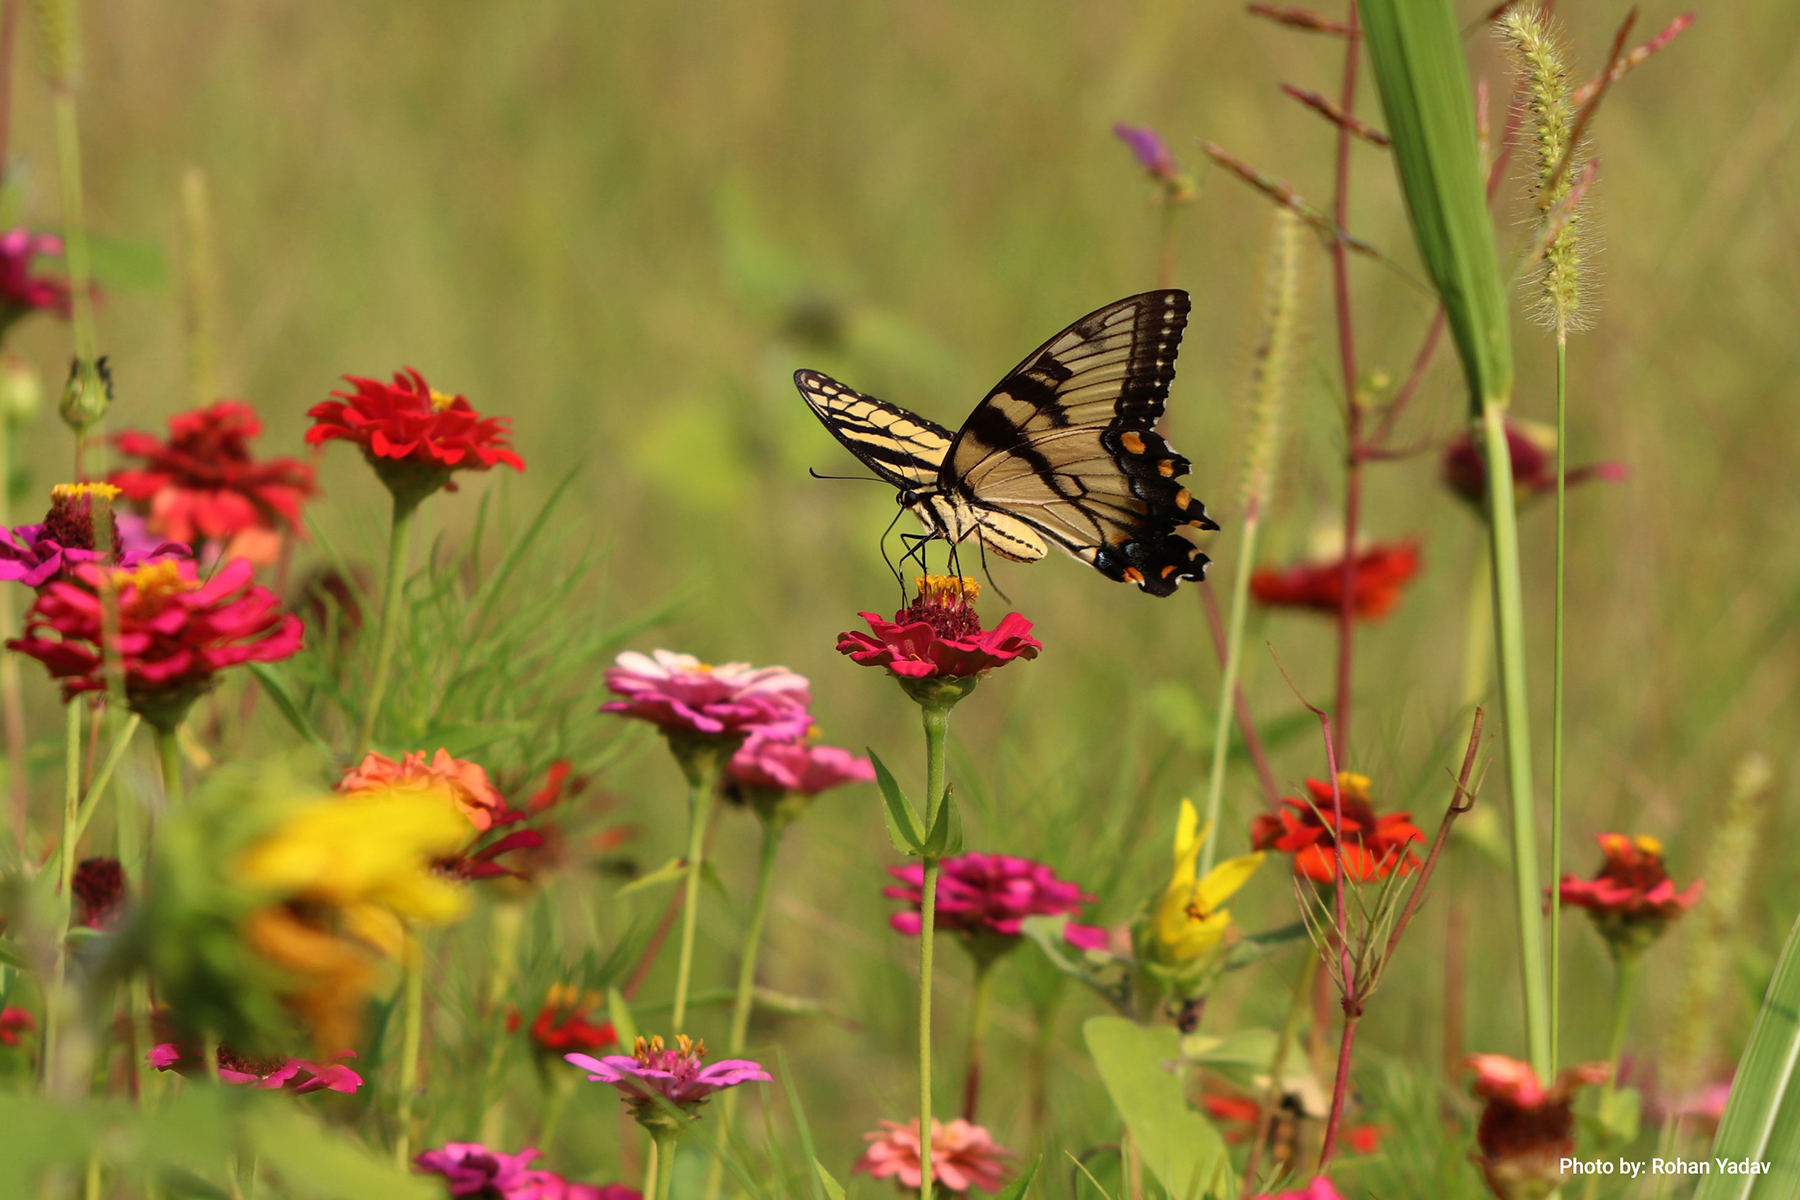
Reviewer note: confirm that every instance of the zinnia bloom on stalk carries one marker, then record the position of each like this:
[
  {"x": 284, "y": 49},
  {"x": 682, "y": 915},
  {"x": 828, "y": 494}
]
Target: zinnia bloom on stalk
[
  {"x": 202, "y": 486},
  {"x": 675, "y": 1074},
  {"x": 683, "y": 696},
  {"x": 99, "y": 887},
  {"x": 565, "y": 1022},
  {"x": 341, "y": 876},
  {"x": 1380, "y": 573},
  {"x": 1532, "y": 448},
  {"x": 1632, "y": 900},
  {"x": 1321, "y": 1188},
  {"x": 414, "y": 437},
  {"x": 1190, "y": 921},
  {"x": 1370, "y": 845},
  {"x": 1526, "y": 1129},
  {"x": 939, "y": 635},
  {"x": 176, "y": 632},
  {"x": 14, "y": 1023},
  {"x": 473, "y": 1170},
  {"x": 295, "y": 1074},
  {"x": 779, "y": 779},
  {"x": 463, "y": 784},
  {"x": 35, "y": 554},
  {"x": 985, "y": 897},
  {"x": 21, "y": 291},
  {"x": 963, "y": 1156}
]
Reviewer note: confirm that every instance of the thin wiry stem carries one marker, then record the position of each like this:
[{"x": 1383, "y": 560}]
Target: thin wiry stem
[
  {"x": 1228, "y": 687},
  {"x": 399, "y": 541},
  {"x": 702, "y": 769},
  {"x": 1340, "y": 286},
  {"x": 1556, "y": 701}
]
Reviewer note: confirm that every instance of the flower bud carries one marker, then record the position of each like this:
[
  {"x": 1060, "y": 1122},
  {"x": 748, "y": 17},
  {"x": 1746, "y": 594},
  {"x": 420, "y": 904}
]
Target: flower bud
[{"x": 87, "y": 394}]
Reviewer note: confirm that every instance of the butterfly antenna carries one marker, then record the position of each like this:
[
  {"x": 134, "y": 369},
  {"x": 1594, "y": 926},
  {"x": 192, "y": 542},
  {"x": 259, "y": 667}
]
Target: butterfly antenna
[{"x": 847, "y": 479}]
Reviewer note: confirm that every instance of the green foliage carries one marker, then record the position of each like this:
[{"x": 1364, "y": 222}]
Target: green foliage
[{"x": 1177, "y": 1144}]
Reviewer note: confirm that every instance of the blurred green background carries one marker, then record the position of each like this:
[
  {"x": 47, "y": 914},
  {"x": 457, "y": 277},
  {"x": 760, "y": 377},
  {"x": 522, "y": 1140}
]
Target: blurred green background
[{"x": 626, "y": 224}]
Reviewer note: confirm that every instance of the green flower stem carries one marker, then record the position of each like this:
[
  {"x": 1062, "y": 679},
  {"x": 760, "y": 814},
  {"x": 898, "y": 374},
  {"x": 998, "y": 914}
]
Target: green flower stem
[
  {"x": 1478, "y": 648},
  {"x": 411, "y": 1039},
  {"x": 651, "y": 1161},
  {"x": 399, "y": 541},
  {"x": 1630, "y": 968},
  {"x": 746, "y": 990},
  {"x": 1234, "y": 640},
  {"x": 12, "y": 700},
  {"x": 663, "y": 1143},
  {"x": 168, "y": 753},
  {"x": 978, "y": 1025},
  {"x": 53, "y": 1008},
  {"x": 509, "y": 917},
  {"x": 701, "y": 767},
  {"x": 1509, "y": 610},
  {"x": 937, "y": 730},
  {"x": 1556, "y": 701},
  {"x": 562, "y": 1087}
]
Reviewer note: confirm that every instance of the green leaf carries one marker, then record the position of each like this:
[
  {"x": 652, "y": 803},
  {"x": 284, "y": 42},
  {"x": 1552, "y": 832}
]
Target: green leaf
[
  {"x": 13, "y": 955},
  {"x": 1177, "y": 1144},
  {"x": 275, "y": 686},
  {"x": 619, "y": 1013},
  {"x": 1619, "y": 1113},
  {"x": 904, "y": 829},
  {"x": 669, "y": 872},
  {"x": 1258, "y": 946},
  {"x": 800, "y": 1123},
  {"x": 1416, "y": 53},
  {"x": 1761, "y": 1124},
  {"x": 946, "y": 832},
  {"x": 313, "y": 1162},
  {"x": 833, "y": 1188},
  {"x": 1016, "y": 1189},
  {"x": 1244, "y": 1048}
]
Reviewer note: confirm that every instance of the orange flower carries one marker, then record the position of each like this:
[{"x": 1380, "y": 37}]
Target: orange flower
[
  {"x": 462, "y": 783},
  {"x": 1377, "y": 578},
  {"x": 1372, "y": 845}
]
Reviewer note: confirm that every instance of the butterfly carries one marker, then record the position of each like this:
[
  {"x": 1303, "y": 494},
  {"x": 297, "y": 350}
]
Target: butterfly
[{"x": 1063, "y": 452}]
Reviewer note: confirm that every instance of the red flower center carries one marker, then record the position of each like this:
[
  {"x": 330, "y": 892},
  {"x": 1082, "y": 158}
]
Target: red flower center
[
  {"x": 70, "y": 521},
  {"x": 947, "y": 604}
]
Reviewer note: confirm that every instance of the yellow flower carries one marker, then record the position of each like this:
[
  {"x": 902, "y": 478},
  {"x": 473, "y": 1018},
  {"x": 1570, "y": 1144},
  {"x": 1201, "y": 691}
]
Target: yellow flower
[{"x": 1189, "y": 921}]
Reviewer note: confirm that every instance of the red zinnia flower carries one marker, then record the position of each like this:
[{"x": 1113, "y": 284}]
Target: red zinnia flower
[
  {"x": 202, "y": 485},
  {"x": 564, "y": 1022},
  {"x": 1370, "y": 845},
  {"x": 1379, "y": 574},
  {"x": 13, "y": 1023},
  {"x": 963, "y": 1155},
  {"x": 21, "y": 292},
  {"x": 1532, "y": 448},
  {"x": 414, "y": 437},
  {"x": 176, "y": 632},
  {"x": 939, "y": 635},
  {"x": 99, "y": 884},
  {"x": 1632, "y": 900},
  {"x": 1526, "y": 1129}
]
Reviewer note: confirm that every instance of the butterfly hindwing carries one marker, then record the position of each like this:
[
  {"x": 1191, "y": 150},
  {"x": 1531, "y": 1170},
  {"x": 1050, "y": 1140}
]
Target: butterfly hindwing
[
  {"x": 1066, "y": 444},
  {"x": 902, "y": 447}
]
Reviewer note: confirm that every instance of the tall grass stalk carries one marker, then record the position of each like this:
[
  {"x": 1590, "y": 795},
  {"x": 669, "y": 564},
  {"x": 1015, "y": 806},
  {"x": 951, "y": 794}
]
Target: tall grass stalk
[
  {"x": 412, "y": 1038},
  {"x": 56, "y": 1002},
  {"x": 1263, "y": 444},
  {"x": 399, "y": 543},
  {"x": 1346, "y": 336},
  {"x": 1556, "y": 689}
]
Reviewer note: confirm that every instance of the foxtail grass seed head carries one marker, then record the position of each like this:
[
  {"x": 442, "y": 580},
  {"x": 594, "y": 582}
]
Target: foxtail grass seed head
[
  {"x": 59, "y": 23},
  {"x": 1274, "y": 360},
  {"x": 1549, "y": 120}
]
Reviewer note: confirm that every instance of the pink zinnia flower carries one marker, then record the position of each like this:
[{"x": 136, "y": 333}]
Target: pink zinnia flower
[
  {"x": 462, "y": 783},
  {"x": 176, "y": 632},
  {"x": 1526, "y": 1129},
  {"x": 963, "y": 1155},
  {"x": 1632, "y": 900},
  {"x": 35, "y": 554},
  {"x": 986, "y": 897},
  {"x": 683, "y": 696},
  {"x": 22, "y": 292},
  {"x": 471, "y": 1169},
  {"x": 1321, "y": 1188},
  {"x": 1532, "y": 449},
  {"x": 203, "y": 485},
  {"x": 13, "y": 1023},
  {"x": 296, "y": 1074},
  {"x": 803, "y": 767},
  {"x": 1378, "y": 576},
  {"x": 675, "y": 1074},
  {"x": 939, "y": 635},
  {"x": 414, "y": 437}
]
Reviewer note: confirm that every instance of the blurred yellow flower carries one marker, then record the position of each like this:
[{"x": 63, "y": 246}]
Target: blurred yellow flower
[{"x": 1189, "y": 921}]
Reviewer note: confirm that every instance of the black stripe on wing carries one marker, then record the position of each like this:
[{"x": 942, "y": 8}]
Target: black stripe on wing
[
  {"x": 903, "y": 448},
  {"x": 1067, "y": 441}
]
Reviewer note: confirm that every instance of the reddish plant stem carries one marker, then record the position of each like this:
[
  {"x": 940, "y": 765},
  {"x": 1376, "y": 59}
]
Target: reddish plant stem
[
  {"x": 652, "y": 948},
  {"x": 1340, "y": 1088},
  {"x": 1340, "y": 283},
  {"x": 1215, "y": 623}
]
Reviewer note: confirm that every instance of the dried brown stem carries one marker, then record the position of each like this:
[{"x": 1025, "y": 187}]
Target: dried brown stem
[
  {"x": 1337, "y": 116},
  {"x": 1302, "y": 18},
  {"x": 1346, "y": 333}
]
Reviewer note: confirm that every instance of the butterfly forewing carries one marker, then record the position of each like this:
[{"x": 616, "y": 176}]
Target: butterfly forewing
[
  {"x": 902, "y": 447},
  {"x": 1067, "y": 444}
]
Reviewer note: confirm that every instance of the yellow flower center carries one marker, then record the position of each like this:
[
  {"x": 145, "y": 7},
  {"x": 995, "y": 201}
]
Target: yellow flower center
[
  {"x": 1353, "y": 786},
  {"x": 71, "y": 491},
  {"x": 154, "y": 581},
  {"x": 1648, "y": 844},
  {"x": 440, "y": 401},
  {"x": 944, "y": 588}
]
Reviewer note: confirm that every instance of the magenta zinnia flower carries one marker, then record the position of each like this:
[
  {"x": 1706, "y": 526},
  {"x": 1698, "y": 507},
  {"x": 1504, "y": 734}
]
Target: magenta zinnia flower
[
  {"x": 675, "y": 1074},
  {"x": 939, "y": 635},
  {"x": 471, "y": 1169},
  {"x": 1532, "y": 449},
  {"x": 802, "y": 767},
  {"x": 963, "y": 1155},
  {"x": 35, "y": 554},
  {"x": 13, "y": 1023},
  {"x": 1321, "y": 1188},
  {"x": 683, "y": 696},
  {"x": 176, "y": 632},
  {"x": 985, "y": 897},
  {"x": 295, "y": 1074},
  {"x": 22, "y": 292}
]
